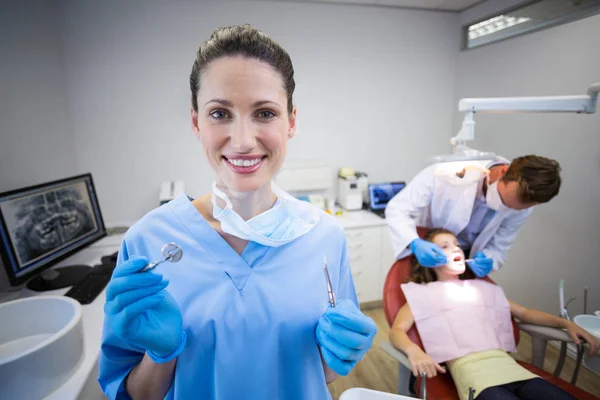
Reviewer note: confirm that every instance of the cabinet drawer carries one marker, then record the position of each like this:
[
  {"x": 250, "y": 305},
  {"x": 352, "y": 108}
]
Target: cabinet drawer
[
  {"x": 363, "y": 237},
  {"x": 365, "y": 262},
  {"x": 364, "y": 251},
  {"x": 366, "y": 286},
  {"x": 365, "y": 258}
]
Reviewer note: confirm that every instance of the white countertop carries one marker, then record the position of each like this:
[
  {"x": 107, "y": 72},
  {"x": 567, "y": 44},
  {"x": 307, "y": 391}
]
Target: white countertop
[
  {"x": 359, "y": 219},
  {"x": 92, "y": 314}
]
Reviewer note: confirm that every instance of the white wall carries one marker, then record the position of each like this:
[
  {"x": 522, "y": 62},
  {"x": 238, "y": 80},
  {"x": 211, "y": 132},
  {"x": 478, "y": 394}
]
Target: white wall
[
  {"x": 560, "y": 239},
  {"x": 36, "y": 142},
  {"x": 374, "y": 88}
]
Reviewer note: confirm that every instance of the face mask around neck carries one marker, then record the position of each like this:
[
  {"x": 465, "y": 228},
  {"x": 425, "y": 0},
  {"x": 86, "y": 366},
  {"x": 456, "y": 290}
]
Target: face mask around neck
[{"x": 286, "y": 221}]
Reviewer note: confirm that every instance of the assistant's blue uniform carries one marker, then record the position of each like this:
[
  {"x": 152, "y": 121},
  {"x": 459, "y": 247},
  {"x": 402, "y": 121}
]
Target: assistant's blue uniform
[{"x": 250, "y": 320}]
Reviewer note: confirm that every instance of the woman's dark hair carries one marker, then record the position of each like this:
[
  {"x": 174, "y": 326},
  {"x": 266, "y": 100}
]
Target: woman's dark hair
[
  {"x": 247, "y": 41},
  {"x": 420, "y": 274}
]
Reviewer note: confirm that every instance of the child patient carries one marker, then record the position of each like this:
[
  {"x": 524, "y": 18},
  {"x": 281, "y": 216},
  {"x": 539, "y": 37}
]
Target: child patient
[{"x": 466, "y": 323}]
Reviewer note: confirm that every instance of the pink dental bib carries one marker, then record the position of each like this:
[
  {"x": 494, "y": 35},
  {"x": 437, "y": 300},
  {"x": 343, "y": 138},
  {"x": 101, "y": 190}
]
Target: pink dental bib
[{"x": 456, "y": 318}]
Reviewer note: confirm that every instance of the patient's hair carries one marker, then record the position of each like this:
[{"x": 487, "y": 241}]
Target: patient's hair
[
  {"x": 538, "y": 178},
  {"x": 420, "y": 274},
  {"x": 247, "y": 41}
]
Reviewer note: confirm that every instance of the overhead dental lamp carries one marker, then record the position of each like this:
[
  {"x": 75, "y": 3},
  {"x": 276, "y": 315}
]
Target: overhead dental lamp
[{"x": 585, "y": 104}]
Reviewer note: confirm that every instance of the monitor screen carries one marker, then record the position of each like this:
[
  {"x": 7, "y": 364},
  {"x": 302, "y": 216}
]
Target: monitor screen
[
  {"x": 381, "y": 193},
  {"x": 43, "y": 224}
]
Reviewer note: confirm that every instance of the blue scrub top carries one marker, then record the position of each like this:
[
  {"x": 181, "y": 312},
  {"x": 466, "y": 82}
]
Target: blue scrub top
[{"x": 250, "y": 320}]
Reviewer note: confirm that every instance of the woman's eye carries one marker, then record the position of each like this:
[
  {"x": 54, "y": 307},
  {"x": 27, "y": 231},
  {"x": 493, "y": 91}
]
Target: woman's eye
[
  {"x": 218, "y": 114},
  {"x": 266, "y": 114}
]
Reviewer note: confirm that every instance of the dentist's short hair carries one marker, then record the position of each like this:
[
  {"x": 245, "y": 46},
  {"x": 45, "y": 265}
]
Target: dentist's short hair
[{"x": 538, "y": 177}]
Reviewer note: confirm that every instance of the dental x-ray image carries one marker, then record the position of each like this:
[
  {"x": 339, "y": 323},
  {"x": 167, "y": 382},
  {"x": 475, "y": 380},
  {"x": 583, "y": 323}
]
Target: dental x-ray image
[{"x": 42, "y": 222}]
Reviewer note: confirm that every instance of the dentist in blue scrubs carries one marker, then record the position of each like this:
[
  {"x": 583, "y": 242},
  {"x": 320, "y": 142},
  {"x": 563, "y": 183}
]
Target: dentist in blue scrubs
[{"x": 245, "y": 313}]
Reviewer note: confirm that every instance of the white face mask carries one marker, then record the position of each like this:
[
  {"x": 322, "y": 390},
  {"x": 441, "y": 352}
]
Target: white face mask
[
  {"x": 287, "y": 220},
  {"x": 492, "y": 196}
]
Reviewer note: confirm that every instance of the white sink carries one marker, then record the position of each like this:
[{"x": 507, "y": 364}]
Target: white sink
[
  {"x": 41, "y": 345},
  {"x": 590, "y": 323}
]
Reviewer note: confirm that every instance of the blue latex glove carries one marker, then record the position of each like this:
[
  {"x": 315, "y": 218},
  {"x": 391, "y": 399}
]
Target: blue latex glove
[
  {"x": 140, "y": 312},
  {"x": 344, "y": 335},
  {"x": 481, "y": 265},
  {"x": 428, "y": 254}
]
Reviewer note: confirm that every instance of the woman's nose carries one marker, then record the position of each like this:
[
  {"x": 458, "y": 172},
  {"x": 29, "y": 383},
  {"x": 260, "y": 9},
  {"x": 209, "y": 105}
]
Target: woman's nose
[{"x": 243, "y": 138}]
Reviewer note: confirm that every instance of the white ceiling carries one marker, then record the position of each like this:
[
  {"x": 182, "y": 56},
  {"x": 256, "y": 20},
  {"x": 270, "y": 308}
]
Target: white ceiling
[{"x": 445, "y": 5}]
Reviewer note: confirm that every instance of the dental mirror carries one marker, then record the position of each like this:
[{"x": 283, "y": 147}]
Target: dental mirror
[{"x": 171, "y": 253}]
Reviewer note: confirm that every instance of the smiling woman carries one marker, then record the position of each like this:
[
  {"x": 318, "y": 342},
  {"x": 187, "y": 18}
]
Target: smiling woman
[
  {"x": 227, "y": 321},
  {"x": 245, "y": 135},
  {"x": 242, "y": 106}
]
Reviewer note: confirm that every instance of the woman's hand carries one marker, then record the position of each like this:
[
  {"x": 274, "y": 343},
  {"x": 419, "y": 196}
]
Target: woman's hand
[
  {"x": 421, "y": 362},
  {"x": 344, "y": 335},
  {"x": 576, "y": 332},
  {"x": 140, "y": 312}
]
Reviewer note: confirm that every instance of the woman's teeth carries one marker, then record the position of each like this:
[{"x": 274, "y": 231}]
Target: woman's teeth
[{"x": 243, "y": 163}]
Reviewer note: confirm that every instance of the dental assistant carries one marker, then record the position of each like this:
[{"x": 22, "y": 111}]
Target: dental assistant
[
  {"x": 245, "y": 313},
  {"x": 483, "y": 203}
]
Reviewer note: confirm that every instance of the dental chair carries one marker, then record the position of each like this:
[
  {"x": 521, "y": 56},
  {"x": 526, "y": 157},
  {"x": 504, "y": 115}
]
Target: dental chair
[{"x": 442, "y": 386}]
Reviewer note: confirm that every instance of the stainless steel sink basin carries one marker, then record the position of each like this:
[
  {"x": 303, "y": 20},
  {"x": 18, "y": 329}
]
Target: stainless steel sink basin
[{"x": 41, "y": 345}]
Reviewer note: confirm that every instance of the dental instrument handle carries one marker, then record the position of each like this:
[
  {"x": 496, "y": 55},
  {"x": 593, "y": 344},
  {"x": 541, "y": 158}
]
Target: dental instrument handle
[
  {"x": 328, "y": 281},
  {"x": 424, "y": 385},
  {"x": 151, "y": 266},
  {"x": 471, "y": 393},
  {"x": 331, "y": 298}
]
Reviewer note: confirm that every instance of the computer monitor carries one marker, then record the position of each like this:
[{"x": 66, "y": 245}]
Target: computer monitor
[
  {"x": 42, "y": 225},
  {"x": 381, "y": 193}
]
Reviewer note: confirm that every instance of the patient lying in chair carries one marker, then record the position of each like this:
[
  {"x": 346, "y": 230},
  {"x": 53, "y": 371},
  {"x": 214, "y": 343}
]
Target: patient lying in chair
[{"x": 466, "y": 323}]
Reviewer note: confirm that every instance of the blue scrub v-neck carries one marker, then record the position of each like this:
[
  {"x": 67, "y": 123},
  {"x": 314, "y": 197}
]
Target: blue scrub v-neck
[
  {"x": 238, "y": 267},
  {"x": 253, "y": 253}
]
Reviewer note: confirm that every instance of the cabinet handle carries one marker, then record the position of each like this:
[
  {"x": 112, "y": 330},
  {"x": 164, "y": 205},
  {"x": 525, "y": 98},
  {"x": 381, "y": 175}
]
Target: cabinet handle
[
  {"x": 355, "y": 274},
  {"x": 356, "y": 257},
  {"x": 355, "y": 246}
]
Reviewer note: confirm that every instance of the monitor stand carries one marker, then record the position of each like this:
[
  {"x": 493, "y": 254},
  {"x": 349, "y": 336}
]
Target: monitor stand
[{"x": 58, "y": 278}]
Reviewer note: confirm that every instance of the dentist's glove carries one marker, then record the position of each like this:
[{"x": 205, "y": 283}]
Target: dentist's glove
[
  {"x": 428, "y": 254},
  {"x": 481, "y": 265},
  {"x": 344, "y": 335},
  {"x": 141, "y": 313}
]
